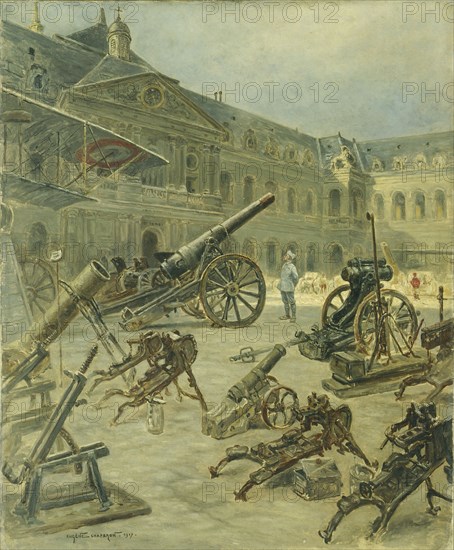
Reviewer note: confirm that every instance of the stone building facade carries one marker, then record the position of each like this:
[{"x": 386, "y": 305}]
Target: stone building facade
[{"x": 220, "y": 158}]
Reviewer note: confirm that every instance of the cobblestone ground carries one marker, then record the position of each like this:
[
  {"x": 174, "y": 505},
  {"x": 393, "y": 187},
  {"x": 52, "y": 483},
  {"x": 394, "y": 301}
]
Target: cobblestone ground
[{"x": 170, "y": 471}]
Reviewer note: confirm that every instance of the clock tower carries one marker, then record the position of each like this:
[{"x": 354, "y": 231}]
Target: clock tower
[{"x": 119, "y": 38}]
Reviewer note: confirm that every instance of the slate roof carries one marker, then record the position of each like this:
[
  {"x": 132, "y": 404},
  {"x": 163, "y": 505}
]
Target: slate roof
[
  {"x": 111, "y": 67},
  {"x": 239, "y": 121},
  {"x": 409, "y": 146},
  {"x": 65, "y": 63}
]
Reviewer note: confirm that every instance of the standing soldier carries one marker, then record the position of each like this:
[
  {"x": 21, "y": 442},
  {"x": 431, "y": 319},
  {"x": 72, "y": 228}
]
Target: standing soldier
[
  {"x": 415, "y": 283},
  {"x": 289, "y": 278}
]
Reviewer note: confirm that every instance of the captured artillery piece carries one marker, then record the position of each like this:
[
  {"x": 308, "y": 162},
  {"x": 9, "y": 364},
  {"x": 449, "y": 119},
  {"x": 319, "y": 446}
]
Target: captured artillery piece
[
  {"x": 40, "y": 462},
  {"x": 242, "y": 407},
  {"x": 168, "y": 356},
  {"x": 424, "y": 446},
  {"x": 231, "y": 287},
  {"x": 385, "y": 332},
  {"x": 281, "y": 409}
]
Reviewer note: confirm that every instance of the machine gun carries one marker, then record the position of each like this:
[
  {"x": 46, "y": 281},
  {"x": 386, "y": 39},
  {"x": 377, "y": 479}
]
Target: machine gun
[
  {"x": 241, "y": 408},
  {"x": 425, "y": 443},
  {"x": 40, "y": 462},
  {"x": 437, "y": 373},
  {"x": 281, "y": 409},
  {"x": 168, "y": 356},
  {"x": 231, "y": 287}
]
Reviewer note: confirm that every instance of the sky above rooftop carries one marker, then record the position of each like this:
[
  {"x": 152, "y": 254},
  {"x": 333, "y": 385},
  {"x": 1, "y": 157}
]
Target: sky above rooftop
[{"x": 369, "y": 69}]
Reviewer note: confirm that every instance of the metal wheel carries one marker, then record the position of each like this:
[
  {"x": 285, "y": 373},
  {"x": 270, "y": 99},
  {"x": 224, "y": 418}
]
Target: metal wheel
[
  {"x": 279, "y": 407},
  {"x": 158, "y": 279},
  {"x": 333, "y": 302},
  {"x": 401, "y": 322},
  {"x": 145, "y": 280},
  {"x": 194, "y": 308},
  {"x": 232, "y": 291},
  {"x": 40, "y": 284}
]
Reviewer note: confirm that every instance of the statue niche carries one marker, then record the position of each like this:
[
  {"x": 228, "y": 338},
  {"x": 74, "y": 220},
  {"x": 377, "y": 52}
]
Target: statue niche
[{"x": 272, "y": 148}]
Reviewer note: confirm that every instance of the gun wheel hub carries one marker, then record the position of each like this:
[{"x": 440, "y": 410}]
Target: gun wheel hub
[{"x": 233, "y": 289}]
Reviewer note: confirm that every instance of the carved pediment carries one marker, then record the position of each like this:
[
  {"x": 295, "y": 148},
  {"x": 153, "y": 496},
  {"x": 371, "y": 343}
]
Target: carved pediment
[{"x": 152, "y": 94}]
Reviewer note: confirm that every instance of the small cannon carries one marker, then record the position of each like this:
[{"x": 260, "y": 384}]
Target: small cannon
[
  {"x": 230, "y": 287},
  {"x": 241, "y": 408}
]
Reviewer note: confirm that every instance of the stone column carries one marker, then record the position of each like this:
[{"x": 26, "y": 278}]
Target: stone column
[{"x": 181, "y": 155}]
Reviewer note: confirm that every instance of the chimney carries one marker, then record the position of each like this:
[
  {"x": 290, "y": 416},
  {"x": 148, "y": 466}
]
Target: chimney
[
  {"x": 220, "y": 96},
  {"x": 215, "y": 96}
]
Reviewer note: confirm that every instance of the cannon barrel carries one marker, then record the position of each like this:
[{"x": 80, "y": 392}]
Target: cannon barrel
[
  {"x": 256, "y": 376},
  {"x": 57, "y": 317},
  {"x": 359, "y": 269},
  {"x": 189, "y": 255}
]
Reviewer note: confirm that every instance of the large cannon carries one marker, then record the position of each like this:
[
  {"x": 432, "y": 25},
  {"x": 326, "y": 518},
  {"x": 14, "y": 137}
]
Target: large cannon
[{"x": 230, "y": 287}]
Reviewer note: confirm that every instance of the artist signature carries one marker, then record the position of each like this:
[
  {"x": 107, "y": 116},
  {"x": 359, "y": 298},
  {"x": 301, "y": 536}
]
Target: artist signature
[{"x": 104, "y": 536}]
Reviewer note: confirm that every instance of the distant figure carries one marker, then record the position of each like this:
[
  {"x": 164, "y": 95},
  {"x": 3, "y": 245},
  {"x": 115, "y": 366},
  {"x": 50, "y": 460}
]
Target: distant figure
[
  {"x": 289, "y": 278},
  {"x": 415, "y": 283},
  {"x": 323, "y": 284}
]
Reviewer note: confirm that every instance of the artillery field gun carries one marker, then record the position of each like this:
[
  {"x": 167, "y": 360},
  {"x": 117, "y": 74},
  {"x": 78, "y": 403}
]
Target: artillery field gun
[
  {"x": 241, "y": 408},
  {"x": 230, "y": 287}
]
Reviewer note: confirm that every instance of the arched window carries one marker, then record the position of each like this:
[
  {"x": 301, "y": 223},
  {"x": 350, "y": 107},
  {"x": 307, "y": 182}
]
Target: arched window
[
  {"x": 251, "y": 249},
  {"x": 399, "y": 206},
  {"x": 291, "y": 201},
  {"x": 248, "y": 190},
  {"x": 420, "y": 206},
  {"x": 226, "y": 179},
  {"x": 379, "y": 207},
  {"x": 357, "y": 203},
  {"x": 309, "y": 204},
  {"x": 311, "y": 257},
  {"x": 334, "y": 202},
  {"x": 440, "y": 205},
  {"x": 271, "y": 256}
]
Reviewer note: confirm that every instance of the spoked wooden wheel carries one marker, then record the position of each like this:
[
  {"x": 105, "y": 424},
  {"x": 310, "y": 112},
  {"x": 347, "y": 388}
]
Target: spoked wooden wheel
[
  {"x": 40, "y": 284},
  {"x": 400, "y": 319},
  {"x": 194, "y": 308},
  {"x": 232, "y": 291},
  {"x": 333, "y": 302},
  {"x": 279, "y": 407}
]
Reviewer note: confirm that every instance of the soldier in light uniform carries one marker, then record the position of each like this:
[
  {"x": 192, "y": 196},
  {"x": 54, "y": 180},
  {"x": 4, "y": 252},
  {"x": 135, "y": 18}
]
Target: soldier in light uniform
[{"x": 289, "y": 278}]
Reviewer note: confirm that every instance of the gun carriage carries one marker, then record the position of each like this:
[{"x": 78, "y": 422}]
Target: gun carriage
[
  {"x": 280, "y": 409},
  {"x": 423, "y": 442},
  {"x": 228, "y": 288}
]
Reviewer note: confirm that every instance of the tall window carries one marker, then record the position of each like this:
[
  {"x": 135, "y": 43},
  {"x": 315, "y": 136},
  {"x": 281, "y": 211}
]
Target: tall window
[
  {"x": 379, "y": 207},
  {"x": 420, "y": 206},
  {"x": 225, "y": 186},
  {"x": 334, "y": 202},
  {"x": 271, "y": 256},
  {"x": 357, "y": 203},
  {"x": 399, "y": 206},
  {"x": 440, "y": 205},
  {"x": 309, "y": 204},
  {"x": 248, "y": 190},
  {"x": 291, "y": 201}
]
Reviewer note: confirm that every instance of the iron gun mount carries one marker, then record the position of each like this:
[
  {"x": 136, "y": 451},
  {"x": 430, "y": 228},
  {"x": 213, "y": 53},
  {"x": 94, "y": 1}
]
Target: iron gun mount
[
  {"x": 281, "y": 409},
  {"x": 242, "y": 406},
  {"x": 423, "y": 442},
  {"x": 229, "y": 289},
  {"x": 40, "y": 462},
  {"x": 168, "y": 356}
]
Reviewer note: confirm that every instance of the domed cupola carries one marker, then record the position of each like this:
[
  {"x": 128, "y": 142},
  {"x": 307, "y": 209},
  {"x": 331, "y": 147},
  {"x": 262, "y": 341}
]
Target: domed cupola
[{"x": 119, "y": 38}]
